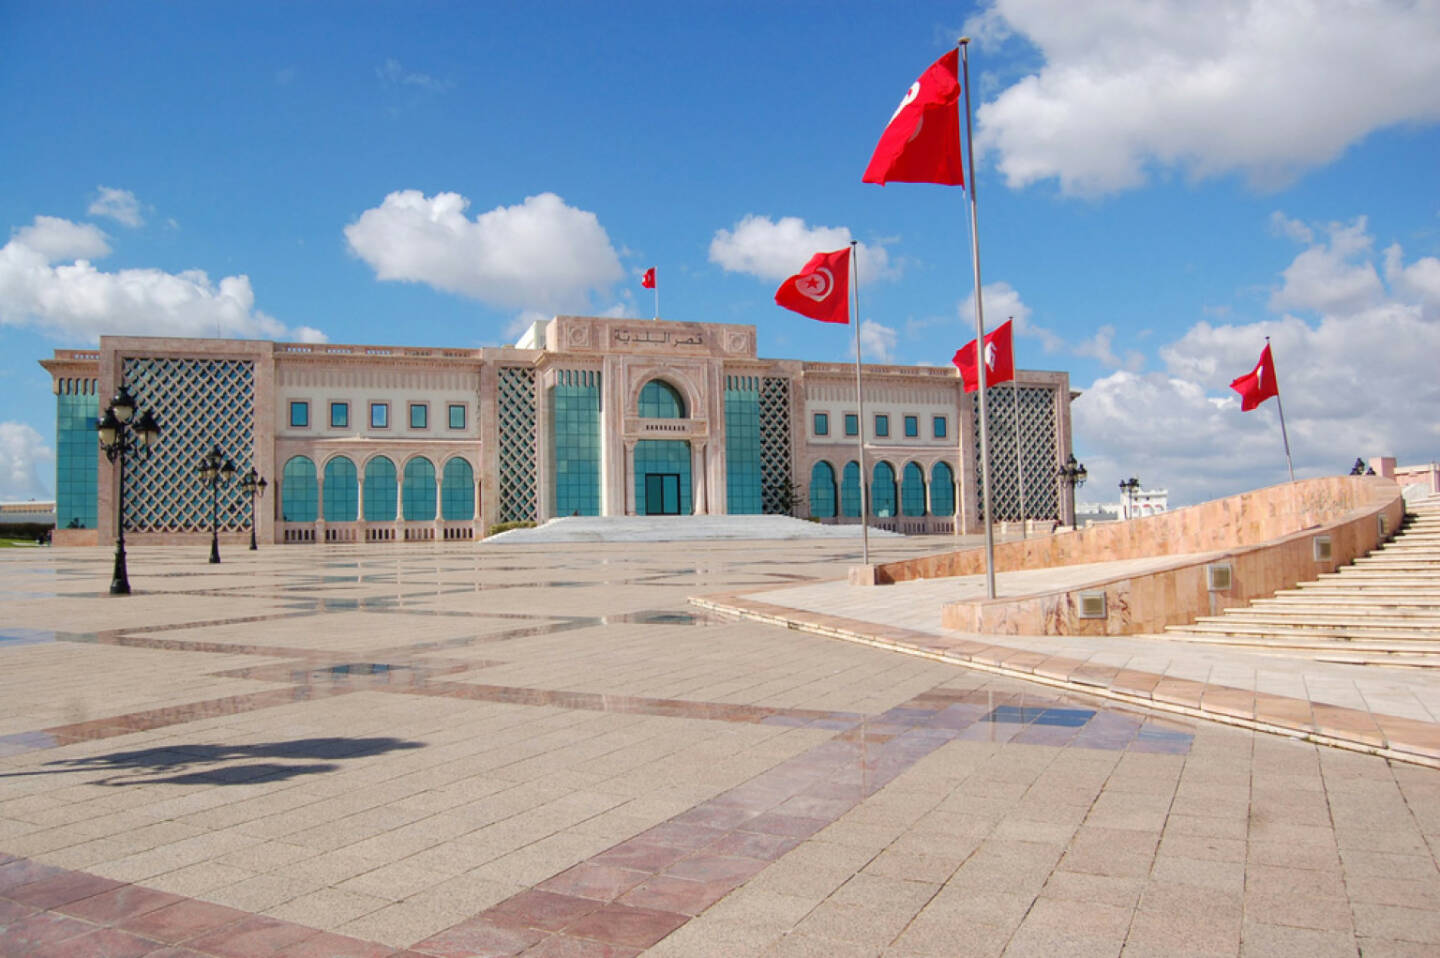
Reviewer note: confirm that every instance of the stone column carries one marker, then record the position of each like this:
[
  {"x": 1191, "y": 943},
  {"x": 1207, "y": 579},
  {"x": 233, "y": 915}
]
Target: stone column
[{"x": 699, "y": 502}]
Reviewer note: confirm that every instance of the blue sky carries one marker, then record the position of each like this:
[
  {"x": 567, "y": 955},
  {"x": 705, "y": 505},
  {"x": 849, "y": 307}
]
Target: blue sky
[{"x": 1161, "y": 185}]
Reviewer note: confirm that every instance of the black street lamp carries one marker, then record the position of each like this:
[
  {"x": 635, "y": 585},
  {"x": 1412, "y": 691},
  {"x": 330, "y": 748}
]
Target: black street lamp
[
  {"x": 1128, "y": 488},
  {"x": 118, "y": 437},
  {"x": 212, "y": 468},
  {"x": 1073, "y": 474},
  {"x": 252, "y": 484}
]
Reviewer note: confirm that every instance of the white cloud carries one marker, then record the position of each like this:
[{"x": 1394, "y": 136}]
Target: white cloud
[
  {"x": 47, "y": 281},
  {"x": 777, "y": 249},
  {"x": 53, "y": 238},
  {"x": 1101, "y": 348},
  {"x": 1356, "y": 378},
  {"x": 541, "y": 254},
  {"x": 1132, "y": 88},
  {"x": 392, "y": 74},
  {"x": 118, "y": 205},
  {"x": 1002, "y": 302},
  {"x": 23, "y": 453},
  {"x": 877, "y": 342}
]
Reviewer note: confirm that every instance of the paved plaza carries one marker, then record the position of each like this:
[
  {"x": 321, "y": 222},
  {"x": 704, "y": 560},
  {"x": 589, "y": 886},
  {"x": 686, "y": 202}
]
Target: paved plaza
[{"x": 547, "y": 749}]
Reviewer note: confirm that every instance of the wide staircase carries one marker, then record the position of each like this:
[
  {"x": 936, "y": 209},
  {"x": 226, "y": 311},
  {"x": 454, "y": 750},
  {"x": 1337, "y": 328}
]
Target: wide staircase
[{"x": 1383, "y": 609}]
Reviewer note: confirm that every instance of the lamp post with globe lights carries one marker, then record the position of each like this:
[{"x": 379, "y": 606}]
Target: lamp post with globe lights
[
  {"x": 213, "y": 467},
  {"x": 1128, "y": 489},
  {"x": 122, "y": 434},
  {"x": 1073, "y": 474},
  {"x": 252, "y": 484}
]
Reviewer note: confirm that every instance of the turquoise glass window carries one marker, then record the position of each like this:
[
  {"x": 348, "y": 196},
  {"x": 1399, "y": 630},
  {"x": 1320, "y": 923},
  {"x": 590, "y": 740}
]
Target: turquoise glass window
[
  {"x": 743, "y": 473},
  {"x": 939, "y": 427},
  {"x": 457, "y": 490},
  {"x": 299, "y": 494},
  {"x": 341, "y": 491},
  {"x": 850, "y": 490},
  {"x": 575, "y": 458},
  {"x": 852, "y": 425},
  {"x": 882, "y": 425},
  {"x": 380, "y": 494},
  {"x": 299, "y": 414},
  {"x": 379, "y": 415},
  {"x": 419, "y": 415},
  {"x": 662, "y": 477},
  {"x": 942, "y": 490},
  {"x": 457, "y": 415},
  {"x": 339, "y": 415},
  {"x": 912, "y": 427},
  {"x": 912, "y": 490},
  {"x": 882, "y": 490},
  {"x": 660, "y": 400},
  {"x": 822, "y": 424},
  {"x": 822, "y": 490},
  {"x": 77, "y": 456},
  {"x": 419, "y": 490}
]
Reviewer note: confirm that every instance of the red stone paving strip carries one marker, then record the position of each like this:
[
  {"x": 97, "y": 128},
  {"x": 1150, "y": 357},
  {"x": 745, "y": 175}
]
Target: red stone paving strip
[
  {"x": 616, "y": 903},
  {"x": 1394, "y": 737},
  {"x": 46, "y": 911}
]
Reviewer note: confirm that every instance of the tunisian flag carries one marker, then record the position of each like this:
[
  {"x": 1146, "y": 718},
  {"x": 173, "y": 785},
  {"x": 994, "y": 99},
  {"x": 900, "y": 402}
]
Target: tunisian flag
[
  {"x": 648, "y": 280},
  {"x": 999, "y": 359},
  {"x": 1259, "y": 384},
  {"x": 821, "y": 290},
  {"x": 921, "y": 144}
]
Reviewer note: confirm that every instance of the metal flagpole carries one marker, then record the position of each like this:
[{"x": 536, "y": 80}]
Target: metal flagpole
[
  {"x": 1019, "y": 460},
  {"x": 1280, "y": 406},
  {"x": 860, "y": 407},
  {"x": 657, "y": 294},
  {"x": 979, "y": 335}
]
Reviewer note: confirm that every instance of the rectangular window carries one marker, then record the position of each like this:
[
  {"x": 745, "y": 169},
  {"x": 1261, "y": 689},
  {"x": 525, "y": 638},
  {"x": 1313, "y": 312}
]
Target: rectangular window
[
  {"x": 852, "y": 424},
  {"x": 457, "y": 416},
  {"x": 882, "y": 425},
  {"x": 379, "y": 415},
  {"x": 299, "y": 413},
  {"x": 938, "y": 425},
  {"x": 339, "y": 415},
  {"x": 912, "y": 426},
  {"x": 419, "y": 415},
  {"x": 822, "y": 424}
]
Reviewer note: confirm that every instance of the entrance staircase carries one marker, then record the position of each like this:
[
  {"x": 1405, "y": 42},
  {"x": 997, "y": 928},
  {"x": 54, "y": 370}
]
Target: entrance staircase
[{"x": 1383, "y": 609}]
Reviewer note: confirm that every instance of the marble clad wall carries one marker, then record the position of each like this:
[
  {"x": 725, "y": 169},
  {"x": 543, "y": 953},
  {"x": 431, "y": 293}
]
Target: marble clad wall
[{"x": 1266, "y": 536}]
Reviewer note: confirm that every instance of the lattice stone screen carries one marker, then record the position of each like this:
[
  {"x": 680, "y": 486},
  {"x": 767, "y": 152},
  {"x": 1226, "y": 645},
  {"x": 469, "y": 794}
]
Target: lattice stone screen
[
  {"x": 517, "y": 444},
  {"x": 1037, "y": 432},
  {"x": 775, "y": 446},
  {"x": 199, "y": 403}
]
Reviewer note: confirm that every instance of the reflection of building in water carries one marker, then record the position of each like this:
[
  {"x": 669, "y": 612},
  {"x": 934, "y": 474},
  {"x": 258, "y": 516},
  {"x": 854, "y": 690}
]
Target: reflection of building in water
[{"x": 584, "y": 416}]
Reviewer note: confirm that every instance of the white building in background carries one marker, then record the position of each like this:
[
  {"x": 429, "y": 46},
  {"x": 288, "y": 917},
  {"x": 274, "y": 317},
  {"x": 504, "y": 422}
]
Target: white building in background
[{"x": 1145, "y": 502}]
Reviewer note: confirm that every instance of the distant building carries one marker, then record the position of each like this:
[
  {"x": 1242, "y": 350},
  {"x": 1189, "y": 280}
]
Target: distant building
[
  {"x": 1145, "y": 502},
  {"x": 585, "y": 415},
  {"x": 28, "y": 512}
]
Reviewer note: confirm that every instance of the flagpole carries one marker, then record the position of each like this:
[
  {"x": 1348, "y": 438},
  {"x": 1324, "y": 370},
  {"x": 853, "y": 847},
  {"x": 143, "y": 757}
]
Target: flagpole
[
  {"x": 1281, "y": 407},
  {"x": 1019, "y": 459},
  {"x": 979, "y": 333},
  {"x": 860, "y": 407},
  {"x": 657, "y": 294}
]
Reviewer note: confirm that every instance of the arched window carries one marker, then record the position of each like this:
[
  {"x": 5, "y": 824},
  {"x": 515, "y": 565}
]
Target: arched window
[
  {"x": 379, "y": 490},
  {"x": 882, "y": 490},
  {"x": 822, "y": 490},
  {"x": 341, "y": 491},
  {"x": 457, "y": 490},
  {"x": 912, "y": 490},
  {"x": 419, "y": 490},
  {"x": 942, "y": 490},
  {"x": 660, "y": 400},
  {"x": 299, "y": 497},
  {"x": 850, "y": 490}
]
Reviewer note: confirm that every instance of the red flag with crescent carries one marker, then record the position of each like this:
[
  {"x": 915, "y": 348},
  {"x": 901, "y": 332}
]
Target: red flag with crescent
[
  {"x": 821, "y": 290},
  {"x": 1258, "y": 384},
  {"x": 921, "y": 143},
  {"x": 999, "y": 359}
]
